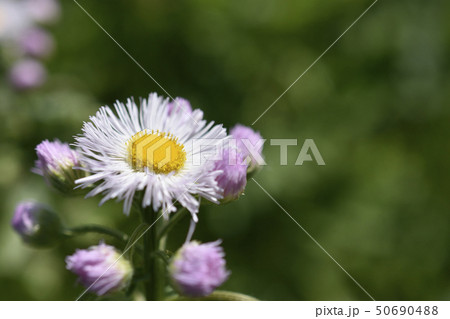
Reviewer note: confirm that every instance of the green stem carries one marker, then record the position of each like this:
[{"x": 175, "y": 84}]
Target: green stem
[
  {"x": 79, "y": 230},
  {"x": 153, "y": 266},
  {"x": 218, "y": 295}
]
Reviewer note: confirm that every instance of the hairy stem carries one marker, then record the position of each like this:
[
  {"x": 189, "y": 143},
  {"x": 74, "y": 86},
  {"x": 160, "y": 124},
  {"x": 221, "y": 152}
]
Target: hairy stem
[{"x": 153, "y": 266}]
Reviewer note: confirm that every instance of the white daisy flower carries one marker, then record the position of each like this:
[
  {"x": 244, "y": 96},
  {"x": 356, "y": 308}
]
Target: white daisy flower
[{"x": 152, "y": 150}]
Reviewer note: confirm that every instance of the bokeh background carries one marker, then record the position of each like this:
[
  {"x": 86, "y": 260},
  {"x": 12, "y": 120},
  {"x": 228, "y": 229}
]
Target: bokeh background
[{"x": 376, "y": 106}]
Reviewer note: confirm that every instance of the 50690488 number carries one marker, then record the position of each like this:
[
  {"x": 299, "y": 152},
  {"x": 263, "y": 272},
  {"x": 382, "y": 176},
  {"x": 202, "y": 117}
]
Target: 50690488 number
[{"x": 406, "y": 310}]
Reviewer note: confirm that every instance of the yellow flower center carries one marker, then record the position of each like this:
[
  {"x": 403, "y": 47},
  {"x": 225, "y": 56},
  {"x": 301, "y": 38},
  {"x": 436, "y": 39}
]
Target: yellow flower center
[{"x": 159, "y": 152}]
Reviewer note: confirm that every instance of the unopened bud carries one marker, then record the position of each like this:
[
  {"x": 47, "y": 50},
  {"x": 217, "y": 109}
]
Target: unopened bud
[
  {"x": 250, "y": 143},
  {"x": 233, "y": 178},
  {"x": 100, "y": 268},
  {"x": 37, "y": 224},
  {"x": 197, "y": 269},
  {"x": 58, "y": 164}
]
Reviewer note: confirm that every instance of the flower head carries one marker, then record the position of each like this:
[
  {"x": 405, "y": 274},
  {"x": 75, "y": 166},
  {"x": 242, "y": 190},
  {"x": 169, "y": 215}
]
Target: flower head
[
  {"x": 145, "y": 148},
  {"x": 248, "y": 141},
  {"x": 233, "y": 177},
  {"x": 27, "y": 74},
  {"x": 36, "y": 42},
  {"x": 197, "y": 269},
  {"x": 57, "y": 162},
  {"x": 37, "y": 224},
  {"x": 97, "y": 269},
  {"x": 13, "y": 19},
  {"x": 43, "y": 11}
]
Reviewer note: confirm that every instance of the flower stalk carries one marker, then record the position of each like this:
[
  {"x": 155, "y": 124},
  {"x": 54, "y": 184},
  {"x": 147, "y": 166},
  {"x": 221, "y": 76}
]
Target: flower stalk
[{"x": 154, "y": 267}]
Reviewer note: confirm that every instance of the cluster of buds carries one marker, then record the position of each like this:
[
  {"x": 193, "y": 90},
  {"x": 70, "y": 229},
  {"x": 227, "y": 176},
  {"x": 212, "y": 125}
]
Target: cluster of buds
[
  {"x": 196, "y": 270},
  {"x": 60, "y": 167},
  {"x": 25, "y": 41}
]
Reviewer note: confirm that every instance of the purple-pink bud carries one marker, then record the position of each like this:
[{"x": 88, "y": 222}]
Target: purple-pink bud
[
  {"x": 43, "y": 11},
  {"x": 37, "y": 224},
  {"x": 59, "y": 165},
  {"x": 100, "y": 268},
  {"x": 36, "y": 42},
  {"x": 248, "y": 141},
  {"x": 24, "y": 219},
  {"x": 233, "y": 178},
  {"x": 27, "y": 74},
  {"x": 197, "y": 269},
  {"x": 55, "y": 156}
]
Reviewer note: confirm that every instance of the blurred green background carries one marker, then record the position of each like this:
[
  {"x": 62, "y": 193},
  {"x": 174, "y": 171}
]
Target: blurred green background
[{"x": 375, "y": 105}]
